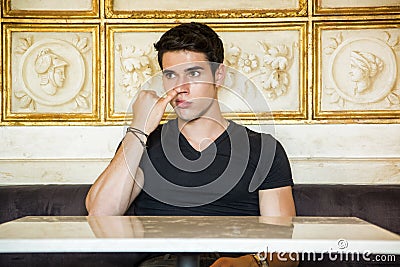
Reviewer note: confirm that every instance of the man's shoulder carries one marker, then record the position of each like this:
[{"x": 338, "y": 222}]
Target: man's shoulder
[{"x": 253, "y": 134}]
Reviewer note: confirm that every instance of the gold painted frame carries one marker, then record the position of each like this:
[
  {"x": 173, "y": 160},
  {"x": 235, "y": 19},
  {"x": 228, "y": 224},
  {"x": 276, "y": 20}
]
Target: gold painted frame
[
  {"x": 10, "y": 118},
  {"x": 246, "y": 118},
  {"x": 318, "y": 10},
  {"x": 9, "y": 13},
  {"x": 347, "y": 115},
  {"x": 232, "y": 12},
  {"x": 1, "y": 70}
]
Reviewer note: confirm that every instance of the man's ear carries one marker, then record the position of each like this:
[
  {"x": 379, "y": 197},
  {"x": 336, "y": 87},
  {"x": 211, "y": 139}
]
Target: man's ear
[{"x": 220, "y": 75}]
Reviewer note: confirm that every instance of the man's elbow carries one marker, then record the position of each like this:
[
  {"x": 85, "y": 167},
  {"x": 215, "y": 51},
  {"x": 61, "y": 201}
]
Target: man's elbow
[
  {"x": 88, "y": 205},
  {"x": 94, "y": 209}
]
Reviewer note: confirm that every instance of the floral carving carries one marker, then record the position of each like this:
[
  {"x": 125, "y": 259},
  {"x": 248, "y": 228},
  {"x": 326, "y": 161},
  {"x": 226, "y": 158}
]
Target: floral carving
[
  {"x": 276, "y": 63},
  {"x": 82, "y": 100},
  {"x": 271, "y": 69},
  {"x": 137, "y": 66},
  {"x": 81, "y": 44},
  {"x": 24, "y": 44},
  {"x": 248, "y": 62},
  {"x": 232, "y": 55},
  {"x": 393, "y": 42},
  {"x": 334, "y": 43},
  {"x": 393, "y": 99},
  {"x": 25, "y": 101}
]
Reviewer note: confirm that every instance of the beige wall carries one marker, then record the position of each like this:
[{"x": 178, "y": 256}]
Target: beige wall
[{"x": 335, "y": 107}]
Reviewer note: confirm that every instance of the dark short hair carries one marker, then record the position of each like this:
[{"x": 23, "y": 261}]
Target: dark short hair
[{"x": 194, "y": 37}]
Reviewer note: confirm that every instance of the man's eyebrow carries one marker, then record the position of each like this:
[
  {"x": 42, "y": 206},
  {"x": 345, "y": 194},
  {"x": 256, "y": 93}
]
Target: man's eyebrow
[
  {"x": 168, "y": 71},
  {"x": 194, "y": 68}
]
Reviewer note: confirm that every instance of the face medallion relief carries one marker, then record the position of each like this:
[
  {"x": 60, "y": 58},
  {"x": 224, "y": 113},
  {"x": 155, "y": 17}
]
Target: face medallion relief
[
  {"x": 362, "y": 70},
  {"x": 51, "y": 70},
  {"x": 364, "y": 67}
]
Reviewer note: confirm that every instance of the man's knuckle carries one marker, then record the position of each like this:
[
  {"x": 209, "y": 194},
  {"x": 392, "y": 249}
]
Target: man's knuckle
[{"x": 223, "y": 262}]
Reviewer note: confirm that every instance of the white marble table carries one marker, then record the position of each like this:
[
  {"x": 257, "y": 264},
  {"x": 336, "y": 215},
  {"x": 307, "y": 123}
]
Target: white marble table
[{"x": 195, "y": 234}]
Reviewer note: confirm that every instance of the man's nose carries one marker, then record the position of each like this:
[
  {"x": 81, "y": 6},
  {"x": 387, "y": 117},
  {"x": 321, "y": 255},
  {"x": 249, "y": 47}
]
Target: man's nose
[{"x": 182, "y": 86}]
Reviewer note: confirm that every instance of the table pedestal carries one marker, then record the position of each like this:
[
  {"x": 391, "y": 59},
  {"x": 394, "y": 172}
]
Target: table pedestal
[{"x": 188, "y": 260}]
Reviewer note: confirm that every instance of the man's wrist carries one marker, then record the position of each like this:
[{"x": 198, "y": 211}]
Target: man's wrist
[
  {"x": 139, "y": 134},
  {"x": 261, "y": 262},
  {"x": 138, "y": 126},
  {"x": 137, "y": 130}
]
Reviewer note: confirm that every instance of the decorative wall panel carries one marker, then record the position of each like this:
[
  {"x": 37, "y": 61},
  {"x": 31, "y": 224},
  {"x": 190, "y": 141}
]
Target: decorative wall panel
[
  {"x": 352, "y": 7},
  {"x": 165, "y": 9},
  {"x": 52, "y": 9},
  {"x": 293, "y": 53},
  {"x": 51, "y": 72},
  {"x": 266, "y": 69},
  {"x": 357, "y": 70}
]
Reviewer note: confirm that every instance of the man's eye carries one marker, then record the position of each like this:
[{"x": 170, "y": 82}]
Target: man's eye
[
  {"x": 169, "y": 75},
  {"x": 194, "y": 74}
]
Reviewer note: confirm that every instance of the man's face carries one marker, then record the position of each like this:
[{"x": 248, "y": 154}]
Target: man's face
[
  {"x": 190, "y": 75},
  {"x": 59, "y": 76}
]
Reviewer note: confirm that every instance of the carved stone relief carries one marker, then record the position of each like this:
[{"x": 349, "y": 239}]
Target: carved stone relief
[
  {"x": 262, "y": 74},
  {"x": 360, "y": 70},
  {"x": 51, "y": 73},
  {"x": 135, "y": 63},
  {"x": 267, "y": 64},
  {"x": 137, "y": 67}
]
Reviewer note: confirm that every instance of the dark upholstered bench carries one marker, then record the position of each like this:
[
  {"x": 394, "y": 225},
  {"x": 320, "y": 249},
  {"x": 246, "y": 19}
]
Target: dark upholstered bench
[{"x": 378, "y": 204}]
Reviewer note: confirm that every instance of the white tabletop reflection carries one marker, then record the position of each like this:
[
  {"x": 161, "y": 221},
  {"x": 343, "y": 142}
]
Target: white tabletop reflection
[{"x": 194, "y": 234}]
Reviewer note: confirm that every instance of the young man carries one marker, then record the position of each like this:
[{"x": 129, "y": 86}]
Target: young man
[{"x": 199, "y": 163}]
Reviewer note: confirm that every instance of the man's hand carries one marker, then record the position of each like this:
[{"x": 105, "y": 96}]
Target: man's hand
[
  {"x": 149, "y": 108},
  {"x": 249, "y": 261},
  {"x": 243, "y": 261}
]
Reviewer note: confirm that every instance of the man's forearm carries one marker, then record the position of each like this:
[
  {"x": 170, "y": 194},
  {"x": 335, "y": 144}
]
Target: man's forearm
[
  {"x": 117, "y": 186},
  {"x": 273, "y": 260},
  {"x": 281, "y": 260}
]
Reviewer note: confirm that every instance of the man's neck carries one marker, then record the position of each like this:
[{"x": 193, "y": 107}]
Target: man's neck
[{"x": 202, "y": 131}]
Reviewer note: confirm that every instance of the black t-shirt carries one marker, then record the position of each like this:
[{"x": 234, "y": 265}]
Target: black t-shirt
[{"x": 223, "y": 179}]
